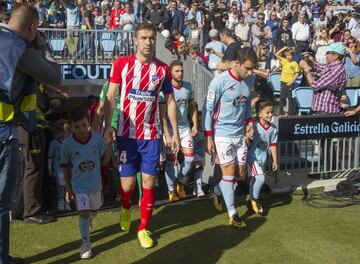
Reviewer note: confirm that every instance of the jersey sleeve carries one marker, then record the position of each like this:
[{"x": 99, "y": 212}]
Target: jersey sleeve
[
  {"x": 104, "y": 92},
  {"x": 65, "y": 155},
  {"x": 115, "y": 72},
  {"x": 102, "y": 146},
  {"x": 212, "y": 99},
  {"x": 166, "y": 85},
  {"x": 162, "y": 98},
  {"x": 274, "y": 138}
]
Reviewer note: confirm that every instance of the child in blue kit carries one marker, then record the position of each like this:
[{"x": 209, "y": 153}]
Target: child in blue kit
[
  {"x": 81, "y": 157},
  {"x": 264, "y": 138},
  {"x": 61, "y": 130}
]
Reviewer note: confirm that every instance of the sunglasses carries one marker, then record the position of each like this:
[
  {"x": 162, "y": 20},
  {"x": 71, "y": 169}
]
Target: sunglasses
[{"x": 261, "y": 18}]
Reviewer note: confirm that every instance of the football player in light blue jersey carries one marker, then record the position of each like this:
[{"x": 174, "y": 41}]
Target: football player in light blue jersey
[
  {"x": 228, "y": 115},
  {"x": 61, "y": 129},
  {"x": 81, "y": 157},
  {"x": 184, "y": 97},
  {"x": 264, "y": 138}
]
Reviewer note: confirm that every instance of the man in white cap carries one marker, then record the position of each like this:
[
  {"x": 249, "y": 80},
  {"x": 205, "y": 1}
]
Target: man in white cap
[
  {"x": 214, "y": 50},
  {"x": 329, "y": 87}
]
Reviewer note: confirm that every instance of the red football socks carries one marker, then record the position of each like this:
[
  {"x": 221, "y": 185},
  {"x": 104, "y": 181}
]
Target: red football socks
[
  {"x": 125, "y": 198},
  {"x": 146, "y": 208}
]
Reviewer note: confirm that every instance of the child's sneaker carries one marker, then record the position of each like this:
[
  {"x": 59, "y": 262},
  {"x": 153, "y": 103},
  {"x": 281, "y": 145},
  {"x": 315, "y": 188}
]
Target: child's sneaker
[
  {"x": 85, "y": 251},
  {"x": 60, "y": 205},
  {"x": 200, "y": 194}
]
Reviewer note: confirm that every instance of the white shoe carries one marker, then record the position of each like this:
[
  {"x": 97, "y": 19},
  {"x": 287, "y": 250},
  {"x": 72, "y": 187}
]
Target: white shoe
[
  {"x": 200, "y": 194},
  {"x": 67, "y": 207},
  {"x": 60, "y": 205},
  {"x": 85, "y": 251}
]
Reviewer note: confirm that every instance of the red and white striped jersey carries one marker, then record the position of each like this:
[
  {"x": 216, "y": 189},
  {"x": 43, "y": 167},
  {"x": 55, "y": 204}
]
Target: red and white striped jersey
[{"x": 140, "y": 85}]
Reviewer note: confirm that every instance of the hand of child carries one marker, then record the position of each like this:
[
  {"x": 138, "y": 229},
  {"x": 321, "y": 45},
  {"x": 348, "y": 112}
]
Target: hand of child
[
  {"x": 290, "y": 83},
  {"x": 69, "y": 195},
  {"x": 194, "y": 131},
  {"x": 274, "y": 166},
  {"x": 51, "y": 173}
]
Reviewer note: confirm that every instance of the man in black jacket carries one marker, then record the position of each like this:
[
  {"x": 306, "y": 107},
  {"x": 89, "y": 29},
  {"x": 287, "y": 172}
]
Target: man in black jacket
[
  {"x": 177, "y": 18},
  {"x": 157, "y": 15}
]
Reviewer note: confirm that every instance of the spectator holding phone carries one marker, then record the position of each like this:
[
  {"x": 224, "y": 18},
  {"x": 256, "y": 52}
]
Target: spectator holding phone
[{"x": 214, "y": 50}]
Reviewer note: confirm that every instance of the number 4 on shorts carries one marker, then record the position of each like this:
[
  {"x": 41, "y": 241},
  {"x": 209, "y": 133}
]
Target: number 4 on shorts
[{"x": 122, "y": 157}]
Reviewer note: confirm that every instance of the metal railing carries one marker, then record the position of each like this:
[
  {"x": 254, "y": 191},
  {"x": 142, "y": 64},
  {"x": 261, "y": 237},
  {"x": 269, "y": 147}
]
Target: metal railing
[
  {"x": 197, "y": 75},
  {"x": 88, "y": 46},
  {"x": 325, "y": 157}
]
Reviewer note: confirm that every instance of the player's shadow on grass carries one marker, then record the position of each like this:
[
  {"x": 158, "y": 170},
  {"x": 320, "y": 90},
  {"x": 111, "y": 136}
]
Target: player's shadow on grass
[
  {"x": 179, "y": 215},
  {"x": 206, "y": 246},
  {"x": 75, "y": 245}
]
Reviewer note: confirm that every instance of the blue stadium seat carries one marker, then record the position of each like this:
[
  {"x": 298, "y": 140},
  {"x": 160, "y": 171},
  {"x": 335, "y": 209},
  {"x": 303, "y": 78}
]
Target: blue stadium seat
[
  {"x": 107, "y": 45},
  {"x": 353, "y": 96},
  {"x": 274, "y": 82},
  {"x": 304, "y": 97},
  {"x": 57, "y": 45}
]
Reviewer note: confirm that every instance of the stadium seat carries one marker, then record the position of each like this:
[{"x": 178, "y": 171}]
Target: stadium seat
[
  {"x": 57, "y": 45},
  {"x": 107, "y": 45},
  {"x": 352, "y": 96},
  {"x": 274, "y": 82},
  {"x": 304, "y": 96}
]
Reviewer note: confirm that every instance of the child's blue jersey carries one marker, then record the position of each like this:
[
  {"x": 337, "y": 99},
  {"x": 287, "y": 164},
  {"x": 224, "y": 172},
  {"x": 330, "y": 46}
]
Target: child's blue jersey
[
  {"x": 264, "y": 138},
  {"x": 228, "y": 106},
  {"x": 182, "y": 96},
  {"x": 54, "y": 154},
  {"x": 85, "y": 159}
]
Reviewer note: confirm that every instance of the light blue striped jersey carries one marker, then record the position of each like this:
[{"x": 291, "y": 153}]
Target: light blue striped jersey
[
  {"x": 228, "y": 106},
  {"x": 182, "y": 96},
  {"x": 54, "y": 154},
  {"x": 85, "y": 159},
  {"x": 264, "y": 138}
]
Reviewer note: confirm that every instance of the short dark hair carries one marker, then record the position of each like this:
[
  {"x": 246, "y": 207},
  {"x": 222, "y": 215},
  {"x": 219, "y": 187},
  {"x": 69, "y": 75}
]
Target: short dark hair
[
  {"x": 227, "y": 32},
  {"x": 176, "y": 63},
  {"x": 61, "y": 125},
  {"x": 77, "y": 113},
  {"x": 193, "y": 22},
  {"x": 144, "y": 26},
  {"x": 245, "y": 54},
  {"x": 261, "y": 104},
  {"x": 260, "y": 14},
  {"x": 24, "y": 14}
]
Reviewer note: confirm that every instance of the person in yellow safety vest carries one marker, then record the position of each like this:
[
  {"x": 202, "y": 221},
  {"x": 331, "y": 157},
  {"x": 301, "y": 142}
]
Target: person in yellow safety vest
[{"x": 22, "y": 62}]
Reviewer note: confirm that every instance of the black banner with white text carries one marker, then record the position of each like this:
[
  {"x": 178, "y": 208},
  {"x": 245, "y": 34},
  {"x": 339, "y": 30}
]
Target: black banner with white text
[
  {"x": 318, "y": 127},
  {"x": 85, "y": 71}
]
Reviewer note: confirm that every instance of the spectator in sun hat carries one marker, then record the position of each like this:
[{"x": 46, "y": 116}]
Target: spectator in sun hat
[{"x": 330, "y": 84}]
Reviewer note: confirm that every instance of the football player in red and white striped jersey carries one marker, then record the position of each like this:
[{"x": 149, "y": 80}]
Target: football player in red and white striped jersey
[{"x": 139, "y": 78}]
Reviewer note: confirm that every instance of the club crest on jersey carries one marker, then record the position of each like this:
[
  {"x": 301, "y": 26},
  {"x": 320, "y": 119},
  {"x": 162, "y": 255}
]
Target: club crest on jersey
[
  {"x": 262, "y": 145},
  {"x": 240, "y": 101},
  {"x": 211, "y": 96},
  {"x": 155, "y": 79}
]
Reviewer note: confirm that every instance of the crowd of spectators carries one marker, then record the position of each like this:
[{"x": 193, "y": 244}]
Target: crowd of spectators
[{"x": 210, "y": 32}]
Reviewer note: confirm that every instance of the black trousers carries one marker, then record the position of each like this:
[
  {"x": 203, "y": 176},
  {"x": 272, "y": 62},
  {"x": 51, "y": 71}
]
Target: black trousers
[
  {"x": 286, "y": 93},
  {"x": 33, "y": 149}
]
